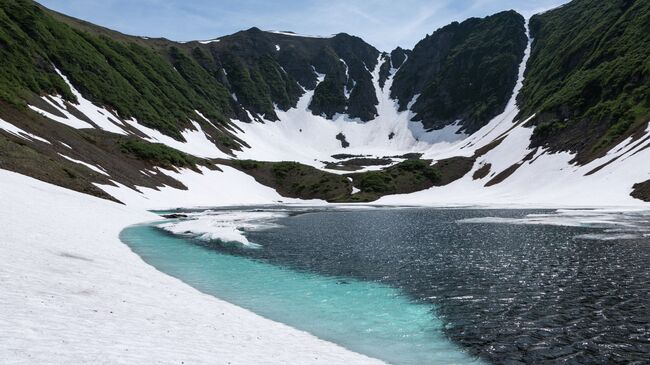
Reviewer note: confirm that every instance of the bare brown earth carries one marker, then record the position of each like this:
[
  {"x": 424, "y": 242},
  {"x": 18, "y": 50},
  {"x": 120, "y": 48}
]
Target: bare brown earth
[{"x": 43, "y": 161}]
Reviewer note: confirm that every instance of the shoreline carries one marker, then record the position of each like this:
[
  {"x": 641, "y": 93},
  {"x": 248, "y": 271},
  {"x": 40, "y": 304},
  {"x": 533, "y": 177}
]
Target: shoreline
[{"x": 74, "y": 293}]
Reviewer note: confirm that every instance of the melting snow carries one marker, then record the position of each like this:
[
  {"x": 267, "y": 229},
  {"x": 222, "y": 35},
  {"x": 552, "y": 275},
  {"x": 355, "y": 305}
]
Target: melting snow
[
  {"x": 92, "y": 167},
  {"x": 298, "y": 35},
  {"x": 8, "y": 127}
]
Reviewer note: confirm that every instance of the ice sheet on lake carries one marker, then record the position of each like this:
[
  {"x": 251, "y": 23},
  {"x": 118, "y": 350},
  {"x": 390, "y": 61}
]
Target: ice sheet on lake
[
  {"x": 225, "y": 226},
  {"x": 614, "y": 225}
]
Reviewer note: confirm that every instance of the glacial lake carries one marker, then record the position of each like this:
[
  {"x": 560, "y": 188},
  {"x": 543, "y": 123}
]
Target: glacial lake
[{"x": 427, "y": 286}]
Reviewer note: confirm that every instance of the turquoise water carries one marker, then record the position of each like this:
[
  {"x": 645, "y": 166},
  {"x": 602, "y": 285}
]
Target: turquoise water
[{"x": 365, "y": 317}]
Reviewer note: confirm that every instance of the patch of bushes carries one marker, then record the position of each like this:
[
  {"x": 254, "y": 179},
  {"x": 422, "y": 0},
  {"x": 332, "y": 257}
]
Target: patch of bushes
[
  {"x": 420, "y": 167},
  {"x": 248, "y": 164},
  {"x": 282, "y": 169},
  {"x": 375, "y": 182},
  {"x": 158, "y": 154}
]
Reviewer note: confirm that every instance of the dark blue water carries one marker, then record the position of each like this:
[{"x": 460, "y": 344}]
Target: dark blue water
[{"x": 507, "y": 294}]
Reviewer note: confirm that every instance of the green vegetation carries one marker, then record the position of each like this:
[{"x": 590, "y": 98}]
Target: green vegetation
[
  {"x": 295, "y": 180},
  {"x": 329, "y": 98},
  {"x": 283, "y": 89},
  {"x": 283, "y": 169},
  {"x": 376, "y": 182},
  {"x": 405, "y": 177},
  {"x": 158, "y": 154},
  {"x": 464, "y": 71},
  {"x": 247, "y": 164},
  {"x": 589, "y": 69},
  {"x": 247, "y": 83},
  {"x": 134, "y": 80}
]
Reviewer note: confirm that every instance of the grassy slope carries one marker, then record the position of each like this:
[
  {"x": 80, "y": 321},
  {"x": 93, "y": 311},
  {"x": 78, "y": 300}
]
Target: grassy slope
[
  {"x": 295, "y": 180},
  {"x": 123, "y": 158},
  {"x": 134, "y": 80},
  {"x": 589, "y": 75}
]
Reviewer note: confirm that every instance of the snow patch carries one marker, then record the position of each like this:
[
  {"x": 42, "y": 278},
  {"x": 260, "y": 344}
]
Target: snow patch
[
  {"x": 196, "y": 141},
  {"x": 292, "y": 34},
  {"x": 92, "y": 167},
  {"x": 210, "y": 41},
  {"x": 101, "y": 117},
  {"x": 12, "y": 129},
  {"x": 206, "y": 188}
]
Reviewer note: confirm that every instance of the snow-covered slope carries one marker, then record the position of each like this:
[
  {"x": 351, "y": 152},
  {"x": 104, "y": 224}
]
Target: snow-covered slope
[
  {"x": 537, "y": 178},
  {"x": 72, "y": 293},
  {"x": 506, "y": 171}
]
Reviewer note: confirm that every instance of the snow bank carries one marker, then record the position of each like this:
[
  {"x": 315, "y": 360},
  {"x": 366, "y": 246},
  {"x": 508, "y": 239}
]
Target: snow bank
[
  {"x": 210, "y": 41},
  {"x": 72, "y": 293},
  {"x": 196, "y": 141},
  {"x": 101, "y": 117},
  {"x": 206, "y": 188}
]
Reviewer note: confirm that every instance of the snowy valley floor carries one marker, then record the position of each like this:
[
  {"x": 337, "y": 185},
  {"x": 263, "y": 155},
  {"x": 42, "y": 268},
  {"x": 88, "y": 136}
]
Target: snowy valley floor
[{"x": 73, "y": 293}]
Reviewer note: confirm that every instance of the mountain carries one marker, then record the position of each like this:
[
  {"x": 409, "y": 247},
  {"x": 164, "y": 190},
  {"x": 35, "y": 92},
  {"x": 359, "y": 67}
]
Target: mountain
[
  {"x": 587, "y": 82},
  {"x": 477, "y": 112},
  {"x": 463, "y": 72}
]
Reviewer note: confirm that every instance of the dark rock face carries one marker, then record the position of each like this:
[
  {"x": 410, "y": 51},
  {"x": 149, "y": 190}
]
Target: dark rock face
[
  {"x": 464, "y": 71},
  {"x": 398, "y": 56},
  {"x": 384, "y": 69},
  {"x": 641, "y": 191},
  {"x": 344, "y": 142},
  {"x": 329, "y": 98},
  {"x": 588, "y": 76},
  {"x": 174, "y": 216},
  {"x": 394, "y": 60},
  {"x": 269, "y": 68}
]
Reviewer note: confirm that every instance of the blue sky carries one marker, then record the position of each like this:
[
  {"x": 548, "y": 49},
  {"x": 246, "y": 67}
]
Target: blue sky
[{"x": 382, "y": 23}]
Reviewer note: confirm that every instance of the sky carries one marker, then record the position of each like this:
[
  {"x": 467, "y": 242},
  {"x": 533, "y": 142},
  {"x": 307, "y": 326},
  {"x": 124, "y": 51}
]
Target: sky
[{"x": 383, "y": 23}]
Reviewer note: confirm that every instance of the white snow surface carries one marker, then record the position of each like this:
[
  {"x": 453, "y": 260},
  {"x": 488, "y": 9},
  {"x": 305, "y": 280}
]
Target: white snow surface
[
  {"x": 206, "y": 188},
  {"x": 210, "y": 41},
  {"x": 95, "y": 168},
  {"x": 310, "y": 139},
  {"x": 298, "y": 35},
  {"x": 72, "y": 293},
  {"x": 227, "y": 226},
  {"x": 99, "y": 116},
  {"x": 12, "y": 129}
]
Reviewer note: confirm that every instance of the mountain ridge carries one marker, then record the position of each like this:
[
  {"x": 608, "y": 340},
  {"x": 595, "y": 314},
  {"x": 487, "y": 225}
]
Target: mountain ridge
[{"x": 305, "y": 99}]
